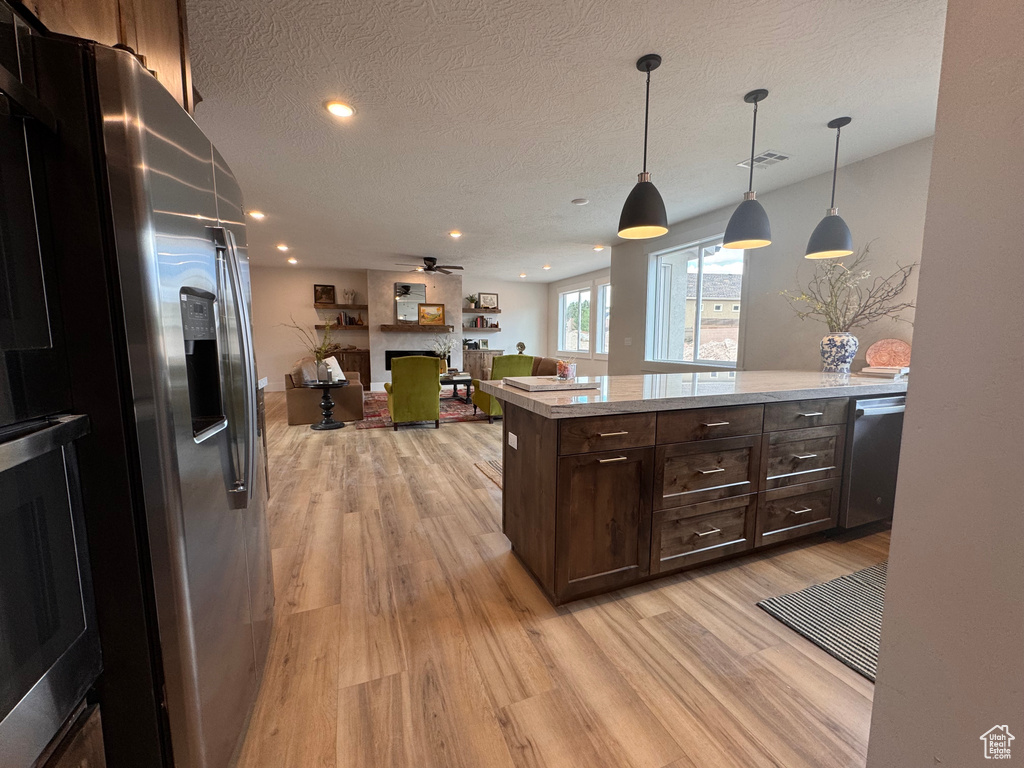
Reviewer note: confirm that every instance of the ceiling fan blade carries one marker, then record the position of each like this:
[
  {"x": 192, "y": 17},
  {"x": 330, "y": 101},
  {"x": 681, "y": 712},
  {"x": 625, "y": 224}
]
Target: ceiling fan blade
[
  {"x": 448, "y": 266},
  {"x": 409, "y": 265},
  {"x": 442, "y": 270}
]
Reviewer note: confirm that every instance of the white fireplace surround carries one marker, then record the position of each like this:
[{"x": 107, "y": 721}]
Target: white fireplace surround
[{"x": 441, "y": 289}]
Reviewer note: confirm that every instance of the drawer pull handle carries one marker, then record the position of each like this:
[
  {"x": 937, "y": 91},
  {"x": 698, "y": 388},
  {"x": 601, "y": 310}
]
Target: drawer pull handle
[
  {"x": 711, "y": 471},
  {"x": 708, "y": 533},
  {"x": 609, "y": 461},
  {"x": 802, "y": 456},
  {"x": 811, "y": 415},
  {"x": 611, "y": 434},
  {"x": 715, "y": 424},
  {"x": 800, "y": 511}
]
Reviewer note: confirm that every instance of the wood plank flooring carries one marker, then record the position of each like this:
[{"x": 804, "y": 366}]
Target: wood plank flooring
[{"x": 407, "y": 635}]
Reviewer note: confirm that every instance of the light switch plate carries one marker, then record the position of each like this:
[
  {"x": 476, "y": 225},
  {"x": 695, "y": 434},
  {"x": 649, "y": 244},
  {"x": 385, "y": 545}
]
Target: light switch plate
[
  {"x": 629, "y": 341},
  {"x": 513, "y": 441}
]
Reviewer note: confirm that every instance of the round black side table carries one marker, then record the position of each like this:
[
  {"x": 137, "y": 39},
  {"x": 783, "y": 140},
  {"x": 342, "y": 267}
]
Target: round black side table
[{"x": 326, "y": 403}]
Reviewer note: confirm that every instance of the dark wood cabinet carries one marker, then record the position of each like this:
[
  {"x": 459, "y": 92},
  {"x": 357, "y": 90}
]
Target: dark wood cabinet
[
  {"x": 356, "y": 360},
  {"x": 603, "y": 536},
  {"x": 787, "y": 513},
  {"x": 595, "y": 503},
  {"x": 687, "y": 473},
  {"x": 154, "y": 29},
  {"x": 684, "y": 536}
]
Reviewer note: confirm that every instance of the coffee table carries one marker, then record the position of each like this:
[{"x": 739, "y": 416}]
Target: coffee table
[
  {"x": 455, "y": 379},
  {"x": 326, "y": 403}
]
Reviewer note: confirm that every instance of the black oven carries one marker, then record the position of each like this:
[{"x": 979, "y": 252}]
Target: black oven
[{"x": 49, "y": 647}]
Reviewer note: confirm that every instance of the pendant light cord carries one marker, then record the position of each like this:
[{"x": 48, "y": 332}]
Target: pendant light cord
[
  {"x": 647, "y": 109},
  {"x": 753, "y": 138},
  {"x": 835, "y": 170}
]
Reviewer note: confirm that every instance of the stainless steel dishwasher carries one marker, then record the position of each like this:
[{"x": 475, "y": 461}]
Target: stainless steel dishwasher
[{"x": 872, "y": 460}]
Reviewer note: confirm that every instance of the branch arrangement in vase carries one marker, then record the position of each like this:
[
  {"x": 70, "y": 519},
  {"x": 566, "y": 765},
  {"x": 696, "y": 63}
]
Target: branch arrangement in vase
[
  {"x": 319, "y": 348},
  {"x": 845, "y": 297}
]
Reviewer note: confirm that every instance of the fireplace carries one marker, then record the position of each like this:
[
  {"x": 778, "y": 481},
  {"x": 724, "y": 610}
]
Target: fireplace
[{"x": 391, "y": 354}]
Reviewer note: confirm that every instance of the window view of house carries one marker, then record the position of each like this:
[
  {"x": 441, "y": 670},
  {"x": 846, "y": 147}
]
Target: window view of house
[
  {"x": 574, "y": 321},
  {"x": 693, "y": 285}
]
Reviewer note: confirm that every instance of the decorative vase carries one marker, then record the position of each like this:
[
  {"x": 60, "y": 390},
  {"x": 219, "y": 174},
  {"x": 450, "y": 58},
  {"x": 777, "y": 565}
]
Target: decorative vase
[
  {"x": 837, "y": 352},
  {"x": 323, "y": 371}
]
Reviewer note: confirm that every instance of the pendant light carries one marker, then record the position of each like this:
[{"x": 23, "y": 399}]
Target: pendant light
[
  {"x": 831, "y": 239},
  {"x": 643, "y": 213},
  {"x": 749, "y": 227}
]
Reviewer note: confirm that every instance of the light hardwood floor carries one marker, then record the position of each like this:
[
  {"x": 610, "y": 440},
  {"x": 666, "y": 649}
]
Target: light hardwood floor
[{"x": 408, "y": 636}]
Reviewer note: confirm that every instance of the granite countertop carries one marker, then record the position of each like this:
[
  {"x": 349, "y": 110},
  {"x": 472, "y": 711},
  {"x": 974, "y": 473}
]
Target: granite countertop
[{"x": 673, "y": 391}]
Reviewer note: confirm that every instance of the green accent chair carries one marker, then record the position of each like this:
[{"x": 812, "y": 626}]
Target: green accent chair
[
  {"x": 414, "y": 392},
  {"x": 501, "y": 366}
]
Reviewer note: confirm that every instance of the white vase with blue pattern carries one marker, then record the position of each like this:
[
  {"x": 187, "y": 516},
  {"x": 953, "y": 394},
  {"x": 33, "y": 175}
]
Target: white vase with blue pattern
[{"x": 837, "y": 352}]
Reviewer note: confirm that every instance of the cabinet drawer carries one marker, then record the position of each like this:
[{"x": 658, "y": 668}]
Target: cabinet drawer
[
  {"x": 606, "y": 433},
  {"x": 802, "y": 456},
  {"x": 693, "y": 534},
  {"x": 805, "y": 413},
  {"x": 788, "y": 513},
  {"x": 709, "y": 423},
  {"x": 687, "y": 473}
]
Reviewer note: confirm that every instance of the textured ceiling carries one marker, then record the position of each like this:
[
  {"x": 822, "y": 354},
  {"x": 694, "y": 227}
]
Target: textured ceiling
[{"x": 489, "y": 116}]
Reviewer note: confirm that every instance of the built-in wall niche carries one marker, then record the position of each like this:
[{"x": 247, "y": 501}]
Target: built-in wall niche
[{"x": 408, "y": 297}]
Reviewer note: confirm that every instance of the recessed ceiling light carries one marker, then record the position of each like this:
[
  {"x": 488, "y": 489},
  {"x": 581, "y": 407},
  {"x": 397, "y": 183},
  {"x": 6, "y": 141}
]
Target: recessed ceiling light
[
  {"x": 546, "y": 266},
  {"x": 522, "y": 274},
  {"x": 580, "y": 201},
  {"x": 455, "y": 233},
  {"x": 598, "y": 247},
  {"x": 282, "y": 247},
  {"x": 340, "y": 109},
  {"x": 258, "y": 215},
  {"x": 293, "y": 260}
]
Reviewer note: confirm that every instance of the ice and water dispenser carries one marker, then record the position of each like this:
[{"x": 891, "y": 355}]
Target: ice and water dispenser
[{"x": 202, "y": 358}]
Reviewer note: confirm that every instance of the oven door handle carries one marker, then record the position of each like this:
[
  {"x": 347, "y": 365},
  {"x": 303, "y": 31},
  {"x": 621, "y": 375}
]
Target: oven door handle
[{"x": 60, "y": 431}]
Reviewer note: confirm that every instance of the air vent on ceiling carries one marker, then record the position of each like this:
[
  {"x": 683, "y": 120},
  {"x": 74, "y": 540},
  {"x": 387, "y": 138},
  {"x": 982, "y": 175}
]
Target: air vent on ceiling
[{"x": 765, "y": 159}]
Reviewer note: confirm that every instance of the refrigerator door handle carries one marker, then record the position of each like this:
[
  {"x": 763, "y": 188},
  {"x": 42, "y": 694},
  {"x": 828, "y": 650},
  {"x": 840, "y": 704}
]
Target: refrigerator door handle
[
  {"x": 229, "y": 282},
  {"x": 241, "y": 305}
]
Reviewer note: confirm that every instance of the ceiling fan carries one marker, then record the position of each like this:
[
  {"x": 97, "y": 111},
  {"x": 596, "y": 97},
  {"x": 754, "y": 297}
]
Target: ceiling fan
[{"x": 430, "y": 265}]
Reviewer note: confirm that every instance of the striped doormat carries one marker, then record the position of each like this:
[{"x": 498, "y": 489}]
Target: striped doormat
[{"x": 843, "y": 616}]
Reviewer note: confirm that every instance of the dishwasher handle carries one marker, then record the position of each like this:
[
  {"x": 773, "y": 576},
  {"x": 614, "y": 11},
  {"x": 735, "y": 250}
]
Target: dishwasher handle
[{"x": 880, "y": 411}]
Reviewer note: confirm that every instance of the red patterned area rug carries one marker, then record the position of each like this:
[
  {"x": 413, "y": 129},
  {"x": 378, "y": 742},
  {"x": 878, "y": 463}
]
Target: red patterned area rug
[{"x": 375, "y": 410}]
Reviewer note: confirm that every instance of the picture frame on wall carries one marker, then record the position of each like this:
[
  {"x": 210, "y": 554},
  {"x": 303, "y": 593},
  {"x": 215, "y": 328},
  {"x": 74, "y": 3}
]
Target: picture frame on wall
[
  {"x": 488, "y": 301},
  {"x": 483, "y": 344},
  {"x": 324, "y": 294},
  {"x": 431, "y": 314}
]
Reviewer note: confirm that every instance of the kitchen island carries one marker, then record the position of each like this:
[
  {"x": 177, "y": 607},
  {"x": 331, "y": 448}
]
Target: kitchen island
[{"x": 648, "y": 475}]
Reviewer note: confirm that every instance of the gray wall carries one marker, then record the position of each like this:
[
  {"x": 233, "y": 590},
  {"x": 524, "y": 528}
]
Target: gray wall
[
  {"x": 952, "y": 660},
  {"x": 881, "y": 198}
]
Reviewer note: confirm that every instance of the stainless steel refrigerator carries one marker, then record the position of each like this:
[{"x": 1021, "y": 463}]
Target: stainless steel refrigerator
[{"x": 155, "y": 294}]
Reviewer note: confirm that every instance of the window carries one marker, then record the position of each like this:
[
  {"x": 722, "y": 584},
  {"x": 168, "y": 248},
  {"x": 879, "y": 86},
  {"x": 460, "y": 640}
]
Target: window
[
  {"x": 574, "y": 321},
  {"x": 691, "y": 284},
  {"x": 603, "y": 318}
]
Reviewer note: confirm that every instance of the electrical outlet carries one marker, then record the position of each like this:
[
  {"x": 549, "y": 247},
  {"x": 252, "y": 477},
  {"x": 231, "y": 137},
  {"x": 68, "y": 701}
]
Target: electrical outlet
[
  {"x": 513, "y": 441},
  {"x": 629, "y": 341}
]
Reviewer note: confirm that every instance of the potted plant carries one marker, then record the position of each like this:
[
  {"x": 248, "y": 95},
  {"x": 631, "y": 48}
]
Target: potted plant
[
  {"x": 319, "y": 348},
  {"x": 443, "y": 344},
  {"x": 471, "y": 301},
  {"x": 845, "y": 297}
]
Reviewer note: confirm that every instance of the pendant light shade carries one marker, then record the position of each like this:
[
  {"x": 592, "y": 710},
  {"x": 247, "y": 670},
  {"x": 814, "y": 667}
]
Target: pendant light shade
[
  {"x": 643, "y": 214},
  {"x": 749, "y": 226},
  {"x": 831, "y": 239}
]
